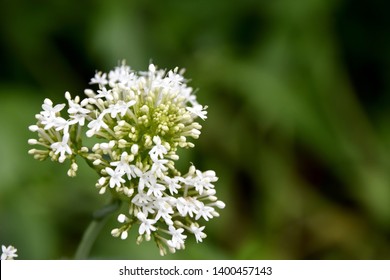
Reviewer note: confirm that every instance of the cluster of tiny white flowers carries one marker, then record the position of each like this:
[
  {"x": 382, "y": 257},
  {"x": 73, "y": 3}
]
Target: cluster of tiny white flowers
[
  {"x": 140, "y": 120},
  {"x": 8, "y": 253}
]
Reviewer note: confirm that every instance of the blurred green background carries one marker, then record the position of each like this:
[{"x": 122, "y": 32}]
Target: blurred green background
[{"x": 298, "y": 129}]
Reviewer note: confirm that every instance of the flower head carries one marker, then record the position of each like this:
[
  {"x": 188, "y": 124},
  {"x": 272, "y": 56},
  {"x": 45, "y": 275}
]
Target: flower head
[
  {"x": 139, "y": 121},
  {"x": 8, "y": 253}
]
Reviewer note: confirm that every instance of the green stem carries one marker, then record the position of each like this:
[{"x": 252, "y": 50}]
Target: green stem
[{"x": 100, "y": 217}]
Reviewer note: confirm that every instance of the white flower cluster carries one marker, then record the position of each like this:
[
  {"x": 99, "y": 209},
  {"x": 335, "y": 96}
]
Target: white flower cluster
[
  {"x": 8, "y": 253},
  {"x": 139, "y": 120}
]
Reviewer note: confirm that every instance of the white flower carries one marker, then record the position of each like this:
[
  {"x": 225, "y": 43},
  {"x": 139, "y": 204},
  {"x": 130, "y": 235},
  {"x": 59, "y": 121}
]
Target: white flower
[
  {"x": 137, "y": 122},
  {"x": 119, "y": 107},
  {"x": 203, "y": 180},
  {"x": 159, "y": 167},
  {"x": 185, "y": 206},
  {"x": 141, "y": 199},
  {"x": 164, "y": 209},
  {"x": 172, "y": 183},
  {"x": 96, "y": 125},
  {"x": 8, "y": 253},
  {"x": 198, "y": 232},
  {"x": 115, "y": 75},
  {"x": 62, "y": 148},
  {"x": 174, "y": 79},
  {"x": 198, "y": 110},
  {"x": 76, "y": 112},
  {"x": 178, "y": 238},
  {"x": 121, "y": 75},
  {"x": 134, "y": 172},
  {"x": 158, "y": 150},
  {"x": 49, "y": 117},
  {"x": 123, "y": 166},
  {"x": 104, "y": 93},
  {"x": 187, "y": 94},
  {"x": 156, "y": 189},
  {"x": 116, "y": 177},
  {"x": 60, "y": 124},
  {"x": 145, "y": 180},
  {"x": 204, "y": 211},
  {"x": 100, "y": 79},
  {"x": 146, "y": 224},
  {"x": 49, "y": 110}
]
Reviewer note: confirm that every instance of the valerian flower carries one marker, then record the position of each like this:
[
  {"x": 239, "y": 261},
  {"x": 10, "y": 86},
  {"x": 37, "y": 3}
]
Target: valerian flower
[
  {"x": 8, "y": 253},
  {"x": 139, "y": 120}
]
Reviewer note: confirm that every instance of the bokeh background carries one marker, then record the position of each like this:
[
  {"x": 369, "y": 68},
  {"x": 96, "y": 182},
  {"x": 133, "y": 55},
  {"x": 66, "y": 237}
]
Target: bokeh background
[{"x": 298, "y": 129}]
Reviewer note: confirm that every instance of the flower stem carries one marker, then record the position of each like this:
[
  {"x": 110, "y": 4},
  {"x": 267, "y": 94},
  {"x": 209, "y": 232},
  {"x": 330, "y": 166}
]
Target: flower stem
[{"x": 100, "y": 217}]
